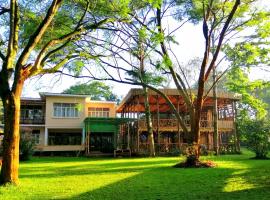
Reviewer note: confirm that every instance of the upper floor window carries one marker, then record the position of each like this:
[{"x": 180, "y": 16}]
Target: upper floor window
[
  {"x": 65, "y": 110},
  {"x": 98, "y": 112}
]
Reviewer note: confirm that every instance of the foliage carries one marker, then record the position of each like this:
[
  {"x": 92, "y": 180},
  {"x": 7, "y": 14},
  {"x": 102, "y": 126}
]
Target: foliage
[
  {"x": 256, "y": 134},
  {"x": 238, "y": 81},
  {"x": 26, "y": 148},
  {"x": 96, "y": 89}
]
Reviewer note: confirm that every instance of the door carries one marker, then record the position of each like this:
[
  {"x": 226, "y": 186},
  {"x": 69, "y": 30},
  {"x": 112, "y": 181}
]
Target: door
[{"x": 102, "y": 142}]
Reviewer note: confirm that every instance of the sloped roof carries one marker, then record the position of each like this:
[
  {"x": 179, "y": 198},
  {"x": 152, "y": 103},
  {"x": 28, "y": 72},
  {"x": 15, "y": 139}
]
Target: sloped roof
[{"x": 172, "y": 92}]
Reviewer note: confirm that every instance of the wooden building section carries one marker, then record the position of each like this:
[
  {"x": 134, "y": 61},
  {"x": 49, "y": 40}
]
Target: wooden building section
[{"x": 168, "y": 133}]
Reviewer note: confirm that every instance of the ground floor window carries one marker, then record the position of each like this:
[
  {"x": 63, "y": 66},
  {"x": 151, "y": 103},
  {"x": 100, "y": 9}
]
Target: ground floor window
[
  {"x": 226, "y": 137},
  {"x": 36, "y": 136},
  {"x": 65, "y": 138}
]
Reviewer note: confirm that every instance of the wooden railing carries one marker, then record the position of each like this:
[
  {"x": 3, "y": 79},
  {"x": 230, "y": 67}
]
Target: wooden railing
[
  {"x": 173, "y": 148},
  {"x": 180, "y": 148},
  {"x": 225, "y": 124},
  {"x": 173, "y": 124}
]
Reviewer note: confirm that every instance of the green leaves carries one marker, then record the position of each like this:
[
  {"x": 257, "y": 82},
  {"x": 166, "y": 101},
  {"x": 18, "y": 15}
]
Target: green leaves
[
  {"x": 95, "y": 89},
  {"x": 238, "y": 81},
  {"x": 256, "y": 134}
]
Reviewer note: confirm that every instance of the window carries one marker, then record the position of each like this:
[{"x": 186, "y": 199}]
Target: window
[
  {"x": 65, "y": 110},
  {"x": 65, "y": 138},
  {"x": 34, "y": 113},
  {"x": 98, "y": 112},
  {"x": 36, "y": 136}
]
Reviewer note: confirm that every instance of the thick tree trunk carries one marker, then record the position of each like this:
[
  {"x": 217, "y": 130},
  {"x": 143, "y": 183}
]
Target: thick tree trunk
[
  {"x": 152, "y": 151},
  {"x": 10, "y": 163}
]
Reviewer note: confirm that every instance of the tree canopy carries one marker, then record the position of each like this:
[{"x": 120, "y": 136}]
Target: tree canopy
[{"x": 97, "y": 90}]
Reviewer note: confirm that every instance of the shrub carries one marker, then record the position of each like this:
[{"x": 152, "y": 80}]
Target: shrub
[
  {"x": 257, "y": 135},
  {"x": 203, "y": 150},
  {"x": 26, "y": 148}
]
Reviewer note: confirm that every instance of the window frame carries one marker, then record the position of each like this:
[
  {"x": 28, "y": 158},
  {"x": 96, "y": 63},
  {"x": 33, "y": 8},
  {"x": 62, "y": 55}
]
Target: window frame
[
  {"x": 65, "y": 110},
  {"x": 98, "y": 112}
]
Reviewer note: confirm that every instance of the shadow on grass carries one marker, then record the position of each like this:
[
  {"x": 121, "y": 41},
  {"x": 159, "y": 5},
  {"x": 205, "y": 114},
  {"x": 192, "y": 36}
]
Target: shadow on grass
[
  {"x": 171, "y": 183},
  {"x": 241, "y": 178},
  {"x": 91, "y": 167},
  {"x": 166, "y": 183}
]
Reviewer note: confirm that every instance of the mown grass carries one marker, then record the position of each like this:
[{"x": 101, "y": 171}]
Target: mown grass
[{"x": 235, "y": 177}]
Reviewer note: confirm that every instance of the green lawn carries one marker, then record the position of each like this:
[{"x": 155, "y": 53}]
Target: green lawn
[{"x": 235, "y": 177}]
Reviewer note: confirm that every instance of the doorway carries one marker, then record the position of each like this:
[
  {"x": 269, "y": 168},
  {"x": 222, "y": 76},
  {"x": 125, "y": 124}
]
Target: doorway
[{"x": 102, "y": 142}]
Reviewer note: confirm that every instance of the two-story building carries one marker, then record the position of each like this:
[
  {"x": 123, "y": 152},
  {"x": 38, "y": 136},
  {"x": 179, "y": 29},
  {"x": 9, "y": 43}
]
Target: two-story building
[
  {"x": 168, "y": 134},
  {"x": 56, "y": 122}
]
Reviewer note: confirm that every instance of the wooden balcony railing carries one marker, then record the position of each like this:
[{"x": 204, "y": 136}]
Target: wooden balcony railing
[
  {"x": 173, "y": 124},
  {"x": 164, "y": 147}
]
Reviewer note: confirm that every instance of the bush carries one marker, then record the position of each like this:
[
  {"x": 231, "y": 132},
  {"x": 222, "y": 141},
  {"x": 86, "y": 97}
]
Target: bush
[
  {"x": 26, "y": 149},
  {"x": 257, "y": 135}
]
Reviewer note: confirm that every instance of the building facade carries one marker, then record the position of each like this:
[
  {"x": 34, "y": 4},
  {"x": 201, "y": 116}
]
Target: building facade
[
  {"x": 75, "y": 123},
  {"x": 168, "y": 134},
  {"x": 55, "y": 122}
]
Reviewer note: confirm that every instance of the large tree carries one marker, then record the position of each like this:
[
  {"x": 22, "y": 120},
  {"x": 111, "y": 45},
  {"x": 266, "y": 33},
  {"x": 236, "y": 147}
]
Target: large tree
[
  {"x": 37, "y": 37},
  {"x": 96, "y": 89},
  {"x": 221, "y": 21}
]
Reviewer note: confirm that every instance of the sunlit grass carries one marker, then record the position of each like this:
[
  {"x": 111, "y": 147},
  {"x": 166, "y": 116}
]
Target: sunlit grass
[{"x": 235, "y": 177}]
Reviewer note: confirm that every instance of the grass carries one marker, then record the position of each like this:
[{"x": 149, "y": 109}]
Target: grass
[{"x": 235, "y": 177}]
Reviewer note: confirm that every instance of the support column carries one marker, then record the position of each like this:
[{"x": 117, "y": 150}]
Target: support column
[
  {"x": 83, "y": 135},
  {"x": 178, "y": 125},
  {"x": 46, "y": 137},
  {"x": 236, "y": 135},
  {"x": 138, "y": 127},
  {"x": 128, "y": 137},
  {"x": 158, "y": 119}
]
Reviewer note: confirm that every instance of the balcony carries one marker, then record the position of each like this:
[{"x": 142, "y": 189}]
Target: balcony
[
  {"x": 172, "y": 124},
  {"x": 36, "y": 120}
]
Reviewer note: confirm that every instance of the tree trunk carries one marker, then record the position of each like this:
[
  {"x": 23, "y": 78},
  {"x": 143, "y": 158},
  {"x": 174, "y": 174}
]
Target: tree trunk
[
  {"x": 152, "y": 151},
  {"x": 215, "y": 114},
  {"x": 10, "y": 163},
  {"x": 236, "y": 134}
]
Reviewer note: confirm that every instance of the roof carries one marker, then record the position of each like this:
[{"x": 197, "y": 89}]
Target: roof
[
  {"x": 172, "y": 92},
  {"x": 100, "y": 101},
  {"x": 49, "y": 94},
  {"x": 30, "y": 99}
]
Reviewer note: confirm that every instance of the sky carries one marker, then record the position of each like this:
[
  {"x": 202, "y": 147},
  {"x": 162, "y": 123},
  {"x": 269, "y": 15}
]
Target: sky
[{"x": 191, "y": 45}]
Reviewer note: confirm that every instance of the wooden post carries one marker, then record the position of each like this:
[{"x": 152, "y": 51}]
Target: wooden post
[
  {"x": 178, "y": 127},
  {"x": 158, "y": 119},
  {"x": 128, "y": 136},
  {"x": 237, "y": 139},
  {"x": 138, "y": 118}
]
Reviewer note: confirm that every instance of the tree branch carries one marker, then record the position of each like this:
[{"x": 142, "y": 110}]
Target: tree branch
[{"x": 222, "y": 34}]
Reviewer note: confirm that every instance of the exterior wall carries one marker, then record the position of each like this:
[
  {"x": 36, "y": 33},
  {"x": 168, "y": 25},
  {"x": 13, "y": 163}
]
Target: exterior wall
[
  {"x": 100, "y": 104},
  {"x": 56, "y": 122},
  {"x": 43, "y": 147}
]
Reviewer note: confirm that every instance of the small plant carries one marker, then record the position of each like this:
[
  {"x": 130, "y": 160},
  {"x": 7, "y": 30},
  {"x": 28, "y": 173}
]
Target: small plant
[
  {"x": 203, "y": 150},
  {"x": 26, "y": 148}
]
